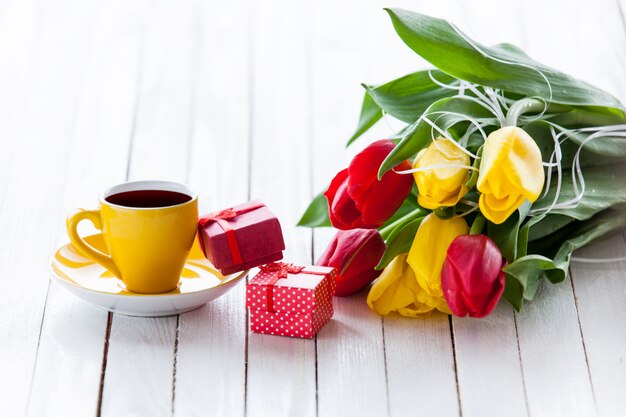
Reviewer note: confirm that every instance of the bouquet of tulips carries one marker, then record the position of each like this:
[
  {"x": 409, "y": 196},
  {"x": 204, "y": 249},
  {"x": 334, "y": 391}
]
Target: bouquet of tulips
[{"x": 504, "y": 167}]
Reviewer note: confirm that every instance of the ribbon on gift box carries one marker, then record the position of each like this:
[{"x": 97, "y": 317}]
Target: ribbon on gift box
[
  {"x": 221, "y": 218},
  {"x": 281, "y": 270}
]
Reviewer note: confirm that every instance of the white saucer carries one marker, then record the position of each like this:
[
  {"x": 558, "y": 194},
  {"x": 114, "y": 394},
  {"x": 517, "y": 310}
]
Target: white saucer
[{"x": 200, "y": 283}]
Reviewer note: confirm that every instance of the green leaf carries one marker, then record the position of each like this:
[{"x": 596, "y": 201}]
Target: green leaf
[
  {"x": 585, "y": 117},
  {"x": 513, "y": 292},
  {"x": 420, "y": 135},
  {"x": 613, "y": 146},
  {"x": 409, "y": 205},
  {"x": 524, "y": 235},
  {"x": 399, "y": 241},
  {"x": 370, "y": 114},
  {"x": 505, "y": 235},
  {"x": 528, "y": 270},
  {"x": 595, "y": 155},
  {"x": 604, "y": 188},
  {"x": 406, "y": 98},
  {"x": 316, "y": 215},
  {"x": 502, "y": 66},
  {"x": 548, "y": 225}
]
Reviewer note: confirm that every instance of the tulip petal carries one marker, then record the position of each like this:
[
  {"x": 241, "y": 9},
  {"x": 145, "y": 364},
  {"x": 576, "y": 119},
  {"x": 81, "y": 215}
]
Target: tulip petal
[
  {"x": 357, "y": 199},
  {"x": 391, "y": 291},
  {"x": 441, "y": 186},
  {"x": 495, "y": 294},
  {"x": 452, "y": 290},
  {"x": 525, "y": 169},
  {"x": 497, "y": 211},
  {"x": 389, "y": 193},
  {"x": 472, "y": 278},
  {"x": 511, "y": 171},
  {"x": 396, "y": 290},
  {"x": 363, "y": 168},
  {"x": 429, "y": 248},
  {"x": 355, "y": 254},
  {"x": 377, "y": 200},
  {"x": 341, "y": 208}
]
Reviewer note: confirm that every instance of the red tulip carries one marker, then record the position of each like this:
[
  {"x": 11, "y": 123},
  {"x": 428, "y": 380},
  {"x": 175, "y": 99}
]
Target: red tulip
[
  {"x": 357, "y": 199},
  {"x": 354, "y": 253},
  {"x": 472, "y": 279}
]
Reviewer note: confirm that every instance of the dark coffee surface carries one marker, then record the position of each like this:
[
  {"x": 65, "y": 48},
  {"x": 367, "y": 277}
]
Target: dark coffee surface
[{"x": 148, "y": 198}]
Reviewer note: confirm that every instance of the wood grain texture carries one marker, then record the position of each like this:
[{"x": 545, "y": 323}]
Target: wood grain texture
[
  {"x": 593, "y": 50},
  {"x": 600, "y": 293},
  {"x": 350, "y": 350},
  {"x": 256, "y": 100},
  {"x": 600, "y": 289},
  {"x": 67, "y": 376},
  {"x": 43, "y": 84},
  {"x": 487, "y": 354},
  {"x": 553, "y": 359},
  {"x": 281, "y": 370},
  {"x": 488, "y": 365},
  {"x": 140, "y": 363},
  {"x": 211, "y": 361},
  {"x": 420, "y": 366}
]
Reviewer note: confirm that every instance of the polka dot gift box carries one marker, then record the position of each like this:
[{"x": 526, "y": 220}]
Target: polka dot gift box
[{"x": 290, "y": 300}]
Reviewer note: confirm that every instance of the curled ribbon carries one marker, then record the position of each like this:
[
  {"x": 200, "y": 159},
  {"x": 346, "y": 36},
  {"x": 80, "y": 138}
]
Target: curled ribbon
[
  {"x": 281, "y": 270},
  {"x": 221, "y": 218}
]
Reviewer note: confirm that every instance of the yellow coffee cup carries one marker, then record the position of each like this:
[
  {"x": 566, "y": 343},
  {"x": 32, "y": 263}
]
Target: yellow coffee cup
[{"x": 149, "y": 228}]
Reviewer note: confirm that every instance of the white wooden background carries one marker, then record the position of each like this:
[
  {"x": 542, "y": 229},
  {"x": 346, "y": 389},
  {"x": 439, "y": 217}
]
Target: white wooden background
[{"x": 246, "y": 99}]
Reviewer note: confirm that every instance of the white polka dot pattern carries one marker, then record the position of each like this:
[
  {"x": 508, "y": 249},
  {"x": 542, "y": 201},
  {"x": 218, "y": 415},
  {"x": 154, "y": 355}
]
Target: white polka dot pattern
[{"x": 298, "y": 312}]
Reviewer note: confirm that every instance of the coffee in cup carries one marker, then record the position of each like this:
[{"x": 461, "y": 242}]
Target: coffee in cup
[{"x": 149, "y": 228}]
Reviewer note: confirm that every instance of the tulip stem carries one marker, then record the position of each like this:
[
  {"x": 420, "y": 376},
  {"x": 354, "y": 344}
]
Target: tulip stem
[
  {"x": 522, "y": 106},
  {"x": 478, "y": 225},
  {"x": 386, "y": 231},
  {"x": 471, "y": 183}
]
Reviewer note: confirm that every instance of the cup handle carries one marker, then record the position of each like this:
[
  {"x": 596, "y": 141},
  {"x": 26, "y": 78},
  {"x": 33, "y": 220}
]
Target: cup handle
[{"x": 79, "y": 243}]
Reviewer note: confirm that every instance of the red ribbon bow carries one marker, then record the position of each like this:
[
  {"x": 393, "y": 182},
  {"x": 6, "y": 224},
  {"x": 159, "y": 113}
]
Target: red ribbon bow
[
  {"x": 281, "y": 270},
  {"x": 225, "y": 214},
  {"x": 222, "y": 217}
]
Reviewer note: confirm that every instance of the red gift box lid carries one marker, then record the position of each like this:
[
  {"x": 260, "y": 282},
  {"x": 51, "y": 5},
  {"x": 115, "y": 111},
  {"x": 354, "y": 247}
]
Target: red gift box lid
[
  {"x": 299, "y": 293},
  {"x": 257, "y": 231}
]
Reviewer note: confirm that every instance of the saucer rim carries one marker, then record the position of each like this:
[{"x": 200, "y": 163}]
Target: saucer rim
[{"x": 60, "y": 276}]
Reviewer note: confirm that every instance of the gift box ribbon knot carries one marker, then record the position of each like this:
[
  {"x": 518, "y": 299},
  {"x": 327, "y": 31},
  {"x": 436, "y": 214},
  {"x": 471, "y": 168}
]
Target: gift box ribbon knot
[
  {"x": 221, "y": 218},
  {"x": 281, "y": 270}
]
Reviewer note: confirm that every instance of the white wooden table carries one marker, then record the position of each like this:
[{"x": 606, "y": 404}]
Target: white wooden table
[{"x": 246, "y": 99}]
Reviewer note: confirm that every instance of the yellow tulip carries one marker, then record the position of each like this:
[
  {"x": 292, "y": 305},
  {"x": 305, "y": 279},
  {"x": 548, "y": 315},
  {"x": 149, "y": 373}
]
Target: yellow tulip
[
  {"x": 510, "y": 173},
  {"x": 441, "y": 186},
  {"x": 397, "y": 290},
  {"x": 429, "y": 250}
]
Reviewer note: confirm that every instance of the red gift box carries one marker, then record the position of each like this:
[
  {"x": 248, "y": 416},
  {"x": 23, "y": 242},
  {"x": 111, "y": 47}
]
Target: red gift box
[
  {"x": 241, "y": 237},
  {"x": 289, "y": 300}
]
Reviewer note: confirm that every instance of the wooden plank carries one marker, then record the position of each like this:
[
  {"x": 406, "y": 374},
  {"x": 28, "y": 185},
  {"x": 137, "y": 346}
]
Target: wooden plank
[
  {"x": 488, "y": 365},
  {"x": 140, "y": 362},
  {"x": 487, "y": 356},
  {"x": 19, "y": 33},
  {"x": 590, "y": 47},
  {"x": 42, "y": 66},
  {"x": 553, "y": 359},
  {"x": 67, "y": 375},
  {"x": 599, "y": 288},
  {"x": 281, "y": 370},
  {"x": 351, "y": 356},
  {"x": 420, "y": 366},
  {"x": 350, "y": 353},
  {"x": 377, "y": 371},
  {"x": 599, "y": 291},
  {"x": 211, "y": 360}
]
